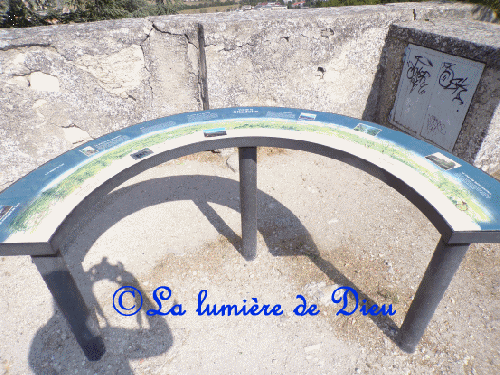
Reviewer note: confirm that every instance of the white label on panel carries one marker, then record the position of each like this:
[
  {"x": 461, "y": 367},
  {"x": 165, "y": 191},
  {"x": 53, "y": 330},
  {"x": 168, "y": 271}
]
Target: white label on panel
[{"x": 434, "y": 94}]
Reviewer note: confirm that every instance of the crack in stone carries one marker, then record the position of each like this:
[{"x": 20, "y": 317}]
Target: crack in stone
[
  {"x": 148, "y": 34},
  {"x": 202, "y": 69},
  {"x": 189, "y": 42},
  {"x": 148, "y": 80},
  {"x": 313, "y": 37},
  {"x": 146, "y": 65},
  {"x": 25, "y": 75},
  {"x": 328, "y": 32},
  {"x": 232, "y": 48},
  {"x": 322, "y": 71},
  {"x": 9, "y": 47},
  {"x": 185, "y": 35}
]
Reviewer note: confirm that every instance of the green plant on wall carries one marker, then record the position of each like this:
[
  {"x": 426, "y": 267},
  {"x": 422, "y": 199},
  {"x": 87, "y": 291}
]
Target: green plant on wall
[
  {"x": 17, "y": 13},
  {"x": 27, "y": 13},
  {"x": 492, "y": 4}
]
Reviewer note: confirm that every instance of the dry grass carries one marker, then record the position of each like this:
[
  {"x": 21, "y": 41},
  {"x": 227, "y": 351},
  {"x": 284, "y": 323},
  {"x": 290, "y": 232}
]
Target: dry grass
[{"x": 209, "y": 10}]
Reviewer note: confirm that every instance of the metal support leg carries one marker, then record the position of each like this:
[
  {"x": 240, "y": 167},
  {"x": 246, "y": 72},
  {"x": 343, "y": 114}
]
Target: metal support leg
[
  {"x": 68, "y": 298},
  {"x": 248, "y": 200},
  {"x": 443, "y": 265}
]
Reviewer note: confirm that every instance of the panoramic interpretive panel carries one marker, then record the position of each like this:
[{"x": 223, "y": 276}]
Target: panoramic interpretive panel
[
  {"x": 32, "y": 208},
  {"x": 434, "y": 94}
]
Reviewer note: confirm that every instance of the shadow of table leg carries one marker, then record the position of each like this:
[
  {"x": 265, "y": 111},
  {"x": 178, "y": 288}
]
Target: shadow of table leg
[
  {"x": 68, "y": 298},
  {"x": 443, "y": 265}
]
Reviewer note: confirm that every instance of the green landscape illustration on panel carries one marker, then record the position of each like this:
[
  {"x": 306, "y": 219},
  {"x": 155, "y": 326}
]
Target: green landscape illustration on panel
[{"x": 31, "y": 216}]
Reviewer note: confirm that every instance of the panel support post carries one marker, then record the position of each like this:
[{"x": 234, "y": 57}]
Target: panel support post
[
  {"x": 443, "y": 265},
  {"x": 248, "y": 200},
  {"x": 70, "y": 301}
]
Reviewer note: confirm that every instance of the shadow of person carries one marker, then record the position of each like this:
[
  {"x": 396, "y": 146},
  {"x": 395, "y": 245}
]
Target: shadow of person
[{"x": 50, "y": 349}]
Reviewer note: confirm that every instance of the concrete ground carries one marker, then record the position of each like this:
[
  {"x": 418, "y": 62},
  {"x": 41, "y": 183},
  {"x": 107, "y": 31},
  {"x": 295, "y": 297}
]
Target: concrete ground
[{"x": 322, "y": 224}]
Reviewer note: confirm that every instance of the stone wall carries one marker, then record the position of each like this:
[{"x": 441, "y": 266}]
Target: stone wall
[{"x": 63, "y": 85}]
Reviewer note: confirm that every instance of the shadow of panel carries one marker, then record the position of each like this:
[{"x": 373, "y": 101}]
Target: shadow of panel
[{"x": 157, "y": 339}]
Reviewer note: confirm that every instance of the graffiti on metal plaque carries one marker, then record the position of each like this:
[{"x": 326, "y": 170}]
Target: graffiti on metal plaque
[{"x": 434, "y": 94}]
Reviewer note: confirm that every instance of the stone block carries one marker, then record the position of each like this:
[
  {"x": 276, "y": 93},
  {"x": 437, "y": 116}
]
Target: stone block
[
  {"x": 63, "y": 85},
  {"x": 320, "y": 59}
]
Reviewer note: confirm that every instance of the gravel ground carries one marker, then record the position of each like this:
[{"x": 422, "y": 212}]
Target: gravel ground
[{"x": 322, "y": 224}]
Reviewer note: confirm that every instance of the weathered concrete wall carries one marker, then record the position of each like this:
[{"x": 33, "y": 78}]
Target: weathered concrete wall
[
  {"x": 314, "y": 60},
  {"x": 63, "y": 85}
]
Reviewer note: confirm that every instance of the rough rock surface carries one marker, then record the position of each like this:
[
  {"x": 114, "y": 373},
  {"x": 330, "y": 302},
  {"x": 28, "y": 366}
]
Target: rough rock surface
[{"x": 63, "y": 85}]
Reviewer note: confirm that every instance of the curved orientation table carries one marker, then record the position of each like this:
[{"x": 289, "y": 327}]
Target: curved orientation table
[{"x": 42, "y": 210}]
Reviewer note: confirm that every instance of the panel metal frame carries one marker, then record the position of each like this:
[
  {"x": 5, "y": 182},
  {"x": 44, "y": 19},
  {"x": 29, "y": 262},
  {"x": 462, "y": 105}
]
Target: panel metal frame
[{"x": 445, "y": 262}]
